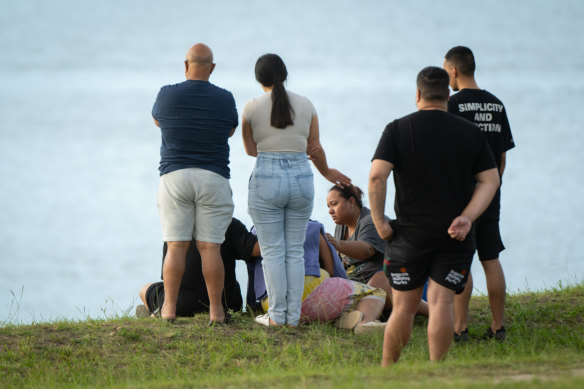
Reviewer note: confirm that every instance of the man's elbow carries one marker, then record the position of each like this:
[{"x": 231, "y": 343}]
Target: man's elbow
[
  {"x": 376, "y": 180},
  {"x": 490, "y": 177},
  {"x": 379, "y": 172},
  {"x": 496, "y": 178}
]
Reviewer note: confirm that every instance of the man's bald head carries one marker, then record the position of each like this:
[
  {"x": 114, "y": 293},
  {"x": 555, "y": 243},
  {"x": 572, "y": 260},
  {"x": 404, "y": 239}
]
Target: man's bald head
[
  {"x": 199, "y": 62},
  {"x": 200, "y": 54}
]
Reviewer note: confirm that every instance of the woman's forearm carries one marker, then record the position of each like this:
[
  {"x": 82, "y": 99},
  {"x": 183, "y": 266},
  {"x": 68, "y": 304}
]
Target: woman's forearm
[{"x": 359, "y": 250}]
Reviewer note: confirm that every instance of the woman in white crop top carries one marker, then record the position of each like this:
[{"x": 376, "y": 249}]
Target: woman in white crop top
[{"x": 280, "y": 128}]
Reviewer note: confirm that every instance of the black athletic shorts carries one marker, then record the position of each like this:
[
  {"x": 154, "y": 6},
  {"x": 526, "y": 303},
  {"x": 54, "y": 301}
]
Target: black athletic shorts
[
  {"x": 486, "y": 230},
  {"x": 488, "y": 238},
  {"x": 188, "y": 302},
  {"x": 408, "y": 267}
]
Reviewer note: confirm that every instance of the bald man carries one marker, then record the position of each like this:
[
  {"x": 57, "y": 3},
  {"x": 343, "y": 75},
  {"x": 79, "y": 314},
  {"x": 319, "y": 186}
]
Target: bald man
[{"x": 196, "y": 119}]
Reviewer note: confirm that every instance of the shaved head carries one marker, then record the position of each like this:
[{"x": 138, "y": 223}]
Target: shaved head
[{"x": 200, "y": 54}]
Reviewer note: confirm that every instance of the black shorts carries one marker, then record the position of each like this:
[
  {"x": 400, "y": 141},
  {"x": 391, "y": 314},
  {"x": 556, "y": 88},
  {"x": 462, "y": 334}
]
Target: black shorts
[
  {"x": 188, "y": 303},
  {"x": 408, "y": 267},
  {"x": 488, "y": 238},
  {"x": 486, "y": 230}
]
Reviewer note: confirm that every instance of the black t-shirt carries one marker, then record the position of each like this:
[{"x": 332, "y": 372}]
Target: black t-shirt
[
  {"x": 238, "y": 244},
  {"x": 488, "y": 113},
  {"x": 435, "y": 156}
]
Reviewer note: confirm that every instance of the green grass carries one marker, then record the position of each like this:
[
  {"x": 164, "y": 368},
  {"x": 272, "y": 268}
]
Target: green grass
[{"x": 545, "y": 348}]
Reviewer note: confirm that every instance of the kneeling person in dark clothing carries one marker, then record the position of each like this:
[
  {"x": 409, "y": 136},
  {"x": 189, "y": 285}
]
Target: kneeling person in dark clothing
[{"x": 193, "y": 298}]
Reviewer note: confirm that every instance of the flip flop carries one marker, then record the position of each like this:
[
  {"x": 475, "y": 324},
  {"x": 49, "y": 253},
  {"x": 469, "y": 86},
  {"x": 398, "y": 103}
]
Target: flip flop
[{"x": 349, "y": 320}]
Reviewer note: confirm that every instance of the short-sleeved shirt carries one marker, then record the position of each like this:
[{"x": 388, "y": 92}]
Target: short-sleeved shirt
[
  {"x": 436, "y": 156},
  {"x": 238, "y": 244},
  {"x": 358, "y": 269},
  {"x": 488, "y": 113},
  {"x": 291, "y": 139},
  {"x": 196, "y": 119}
]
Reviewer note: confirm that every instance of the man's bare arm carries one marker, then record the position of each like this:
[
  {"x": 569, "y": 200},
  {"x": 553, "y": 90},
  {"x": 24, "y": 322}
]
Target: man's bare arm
[
  {"x": 487, "y": 183},
  {"x": 378, "y": 175}
]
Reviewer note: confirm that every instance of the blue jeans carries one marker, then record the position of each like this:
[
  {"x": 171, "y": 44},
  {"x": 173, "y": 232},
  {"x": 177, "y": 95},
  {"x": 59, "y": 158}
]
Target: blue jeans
[{"x": 281, "y": 192}]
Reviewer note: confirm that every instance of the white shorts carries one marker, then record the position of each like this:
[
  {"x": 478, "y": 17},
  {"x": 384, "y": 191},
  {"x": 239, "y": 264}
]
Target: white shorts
[{"x": 195, "y": 204}]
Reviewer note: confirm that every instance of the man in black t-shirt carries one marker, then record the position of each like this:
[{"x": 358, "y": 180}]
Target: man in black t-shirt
[
  {"x": 436, "y": 158},
  {"x": 192, "y": 297},
  {"x": 488, "y": 113}
]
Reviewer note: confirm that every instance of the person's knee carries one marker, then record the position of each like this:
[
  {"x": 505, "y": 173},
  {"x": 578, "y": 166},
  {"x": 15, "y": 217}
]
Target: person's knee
[
  {"x": 492, "y": 264},
  {"x": 406, "y": 302},
  {"x": 142, "y": 293},
  {"x": 493, "y": 269},
  {"x": 379, "y": 280},
  {"x": 208, "y": 247},
  {"x": 181, "y": 246},
  {"x": 405, "y": 309},
  {"x": 439, "y": 294}
]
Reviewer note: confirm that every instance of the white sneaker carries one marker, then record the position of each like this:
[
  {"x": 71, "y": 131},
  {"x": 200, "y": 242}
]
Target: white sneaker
[
  {"x": 263, "y": 319},
  {"x": 370, "y": 327}
]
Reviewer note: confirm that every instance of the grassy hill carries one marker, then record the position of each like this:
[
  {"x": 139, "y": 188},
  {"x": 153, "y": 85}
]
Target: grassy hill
[{"x": 544, "y": 348}]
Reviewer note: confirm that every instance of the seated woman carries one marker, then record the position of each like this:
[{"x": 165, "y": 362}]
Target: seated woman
[
  {"x": 325, "y": 298},
  {"x": 357, "y": 242}
]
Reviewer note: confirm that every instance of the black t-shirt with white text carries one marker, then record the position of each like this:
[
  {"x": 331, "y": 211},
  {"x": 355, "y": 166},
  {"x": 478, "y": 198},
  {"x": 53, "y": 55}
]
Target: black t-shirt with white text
[
  {"x": 435, "y": 156},
  {"x": 488, "y": 113}
]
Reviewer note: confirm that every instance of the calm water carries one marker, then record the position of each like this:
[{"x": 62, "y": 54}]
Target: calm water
[{"x": 79, "y": 228}]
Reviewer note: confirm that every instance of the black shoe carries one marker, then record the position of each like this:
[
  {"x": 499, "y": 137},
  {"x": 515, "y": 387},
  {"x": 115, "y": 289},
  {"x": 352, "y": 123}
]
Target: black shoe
[
  {"x": 462, "y": 337},
  {"x": 499, "y": 335}
]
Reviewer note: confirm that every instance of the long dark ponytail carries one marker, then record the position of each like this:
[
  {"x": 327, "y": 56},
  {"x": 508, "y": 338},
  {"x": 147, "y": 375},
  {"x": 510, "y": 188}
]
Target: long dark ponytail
[{"x": 270, "y": 70}]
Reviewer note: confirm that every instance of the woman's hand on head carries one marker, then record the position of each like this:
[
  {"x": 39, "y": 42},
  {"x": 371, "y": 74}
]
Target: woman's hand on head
[{"x": 337, "y": 178}]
